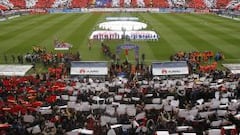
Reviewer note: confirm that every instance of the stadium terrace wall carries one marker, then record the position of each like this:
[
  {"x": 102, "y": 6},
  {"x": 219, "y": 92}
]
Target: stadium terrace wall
[
  {"x": 176, "y": 10},
  {"x": 11, "y": 14},
  {"x": 21, "y": 12},
  {"x": 123, "y": 10},
  {"x": 62, "y": 10},
  {"x": 155, "y": 10},
  {"x": 85, "y": 10}
]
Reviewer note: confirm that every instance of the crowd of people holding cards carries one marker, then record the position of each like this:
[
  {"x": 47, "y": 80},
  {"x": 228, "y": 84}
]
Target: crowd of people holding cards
[{"x": 121, "y": 104}]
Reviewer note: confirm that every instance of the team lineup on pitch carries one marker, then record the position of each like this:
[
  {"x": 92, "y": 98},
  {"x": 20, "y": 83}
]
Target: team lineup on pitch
[{"x": 177, "y": 32}]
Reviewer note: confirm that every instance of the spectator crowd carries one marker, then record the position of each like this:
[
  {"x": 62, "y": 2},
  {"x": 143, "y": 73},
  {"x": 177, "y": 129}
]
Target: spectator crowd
[{"x": 139, "y": 104}]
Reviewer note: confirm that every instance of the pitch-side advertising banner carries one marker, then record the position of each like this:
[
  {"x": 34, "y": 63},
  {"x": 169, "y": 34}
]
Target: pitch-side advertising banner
[
  {"x": 170, "y": 68},
  {"x": 234, "y": 68},
  {"x": 89, "y": 68}
]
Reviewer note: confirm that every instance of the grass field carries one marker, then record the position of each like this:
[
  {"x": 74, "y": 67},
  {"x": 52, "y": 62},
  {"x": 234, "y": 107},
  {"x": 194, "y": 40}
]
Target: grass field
[{"x": 186, "y": 32}]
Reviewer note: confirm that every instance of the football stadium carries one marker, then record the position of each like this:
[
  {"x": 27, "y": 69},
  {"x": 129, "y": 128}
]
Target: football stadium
[{"x": 119, "y": 67}]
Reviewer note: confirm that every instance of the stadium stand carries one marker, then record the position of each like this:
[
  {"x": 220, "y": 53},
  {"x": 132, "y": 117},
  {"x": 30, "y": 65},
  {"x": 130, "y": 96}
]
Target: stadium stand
[
  {"x": 85, "y": 3},
  {"x": 222, "y": 3},
  {"x": 44, "y": 3},
  {"x": 140, "y": 3},
  {"x": 115, "y": 3},
  {"x": 210, "y": 3},
  {"x": 6, "y": 4},
  {"x": 80, "y": 3},
  {"x": 18, "y": 3},
  {"x": 197, "y": 103},
  {"x": 148, "y": 3},
  {"x": 61, "y": 3},
  {"x": 134, "y": 3},
  {"x": 170, "y": 3},
  {"x": 234, "y": 4},
  {"x": 91, "y": 3},
  {"x": 121, "y": 3},
  {"x": 109, "y": 4},
  {"x": 75, "y": 4},
  {"x": 127, "y": 3},
  {"x": 101, "y": 3},
  {"x": 237, "y": 7},
  {"x": 177, "y": 3},
  {"x": 54, "y": 103},
  {"x": 203, "y": 102},
  {"x": 160, "y": 3},
  {"x": 3, "y": 7},
  {"x": 197, "y": 4},
  {"x": 30, "y": 3}
]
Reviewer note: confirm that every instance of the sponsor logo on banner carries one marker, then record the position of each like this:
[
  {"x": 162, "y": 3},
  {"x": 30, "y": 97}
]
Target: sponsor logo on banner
[
  {"x": 170, "y": 68},
  {"x": 82, "y": 71},
  {"x": 89, "y": 68},
  {"x": 170, "y": 71},
  {"x": 164, "y": 71},
  {"x": 173, "y": 71},
  {"x": 89, "y": 71}
]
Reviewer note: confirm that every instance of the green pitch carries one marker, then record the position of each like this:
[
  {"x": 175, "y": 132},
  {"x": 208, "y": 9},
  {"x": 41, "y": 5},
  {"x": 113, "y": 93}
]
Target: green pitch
[{"x": 178, "y": 32}]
